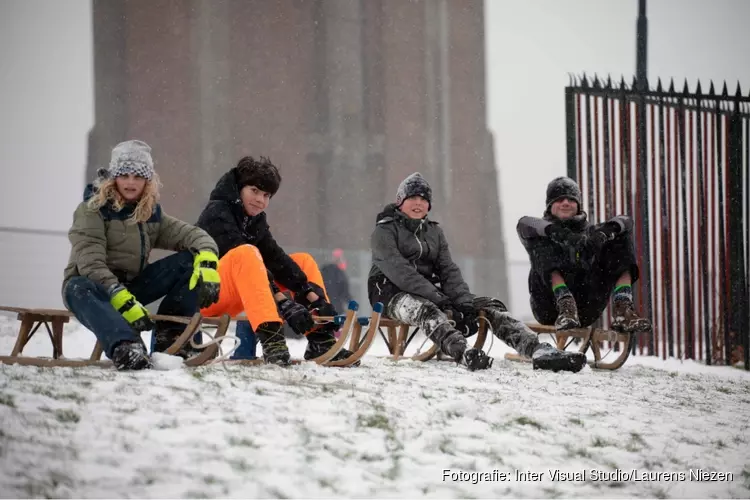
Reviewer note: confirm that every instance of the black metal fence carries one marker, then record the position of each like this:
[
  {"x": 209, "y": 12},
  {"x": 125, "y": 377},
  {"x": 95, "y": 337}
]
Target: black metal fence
[{"x": 677, "y": 161}]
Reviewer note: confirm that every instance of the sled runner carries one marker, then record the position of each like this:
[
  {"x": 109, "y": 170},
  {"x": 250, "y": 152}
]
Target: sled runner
[
  {"x": 398, "y": 340},
  {"x": 590, "y": 337},
  {"x": 54, "y": 319}
]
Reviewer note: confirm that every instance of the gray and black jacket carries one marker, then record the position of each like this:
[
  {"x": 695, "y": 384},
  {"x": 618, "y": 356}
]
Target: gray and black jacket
[{"x": 412, "y": 256}]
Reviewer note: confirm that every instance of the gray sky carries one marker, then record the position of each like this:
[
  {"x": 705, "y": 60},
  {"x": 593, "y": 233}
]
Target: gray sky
[{"x": 532, "y": 45}]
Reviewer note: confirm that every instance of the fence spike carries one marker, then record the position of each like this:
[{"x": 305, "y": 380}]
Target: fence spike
[
  {"x": 584, "y": 81},
  {"x": 622, "y": 82},
  {"x": 738, "y": 92},
  {"x": 686, "y": 88},
  {"x": 609, "y": 81},
  {"x": 671, "y": 87},
  {"x": 658, "y": 85},
  {"x": 711, "y": 90},
  {"x": 698, "y": 89},
  {"x": 634, "y": 85},
  {"x": 597, "y": 83},
  {"x": 724, "y": 92}
]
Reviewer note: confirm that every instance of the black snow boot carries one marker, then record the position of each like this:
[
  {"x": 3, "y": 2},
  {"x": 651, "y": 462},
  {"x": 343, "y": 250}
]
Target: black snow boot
[
  {"x": 275, "y": 350},
  {"x": 320, "y": 341},
  {"x": 476, "y": 359},
  {"x": 548, "y": 357},
  {"x": 131, "y": 355}
]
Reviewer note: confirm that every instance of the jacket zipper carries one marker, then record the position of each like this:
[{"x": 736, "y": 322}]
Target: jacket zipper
[
  {"x": 143, "y": 246},
  {"x": 421, "y": 249}
]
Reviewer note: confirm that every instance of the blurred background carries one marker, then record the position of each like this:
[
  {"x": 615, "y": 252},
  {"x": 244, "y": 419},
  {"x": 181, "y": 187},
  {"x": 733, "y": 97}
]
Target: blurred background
[{"x": 347, "y": 97}]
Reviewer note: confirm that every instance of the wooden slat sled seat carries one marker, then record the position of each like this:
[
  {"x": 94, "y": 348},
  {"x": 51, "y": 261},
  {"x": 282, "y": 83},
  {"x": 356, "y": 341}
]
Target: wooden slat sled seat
[
  {"x": 398, "y": 339},
  {"x": 590, "y": 337},
  {"x": 54, "y": 319}
]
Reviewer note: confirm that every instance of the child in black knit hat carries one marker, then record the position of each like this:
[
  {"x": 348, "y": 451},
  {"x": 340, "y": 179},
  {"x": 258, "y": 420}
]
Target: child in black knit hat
[
  {"x": 415, "y": 278},
  {"x": 576, "y": 267}
]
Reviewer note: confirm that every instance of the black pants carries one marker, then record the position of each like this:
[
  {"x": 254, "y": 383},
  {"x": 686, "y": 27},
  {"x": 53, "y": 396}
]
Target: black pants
[{"x": 590, "y": 280}]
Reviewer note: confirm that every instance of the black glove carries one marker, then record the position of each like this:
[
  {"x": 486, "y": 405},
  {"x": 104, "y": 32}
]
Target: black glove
[
  {"x": 566, "y": 237},
  {"x": 468, "y": 325},
  {"x": 322, "y": 308},
  {"x": 603, "y": 234},
  {"x": 298, "y": 318}
]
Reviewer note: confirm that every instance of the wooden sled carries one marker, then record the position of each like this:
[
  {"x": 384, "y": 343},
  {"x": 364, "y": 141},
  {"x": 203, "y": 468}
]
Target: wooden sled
[
  {"x": 590, "y": 337},
  {"x": 351, "y": 330},
  {"x": 54, "y": 319},
  {"x": 399, "y": 339}
]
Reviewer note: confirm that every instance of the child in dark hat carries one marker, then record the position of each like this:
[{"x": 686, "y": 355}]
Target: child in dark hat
[
  {"x": 576, "y": 267},
  {"x": 415, "y": 278},
  {"x": 256, "y": 271}
]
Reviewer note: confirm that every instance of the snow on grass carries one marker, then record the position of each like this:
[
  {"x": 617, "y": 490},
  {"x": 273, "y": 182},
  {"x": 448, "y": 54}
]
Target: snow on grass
[{"x": 386, "y": 429}]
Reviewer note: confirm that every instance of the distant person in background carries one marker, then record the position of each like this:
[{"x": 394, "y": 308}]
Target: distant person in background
[
  {"x": 336, "y": 280},
  {"x": 576, "y": 266},
  {"x": 108, "y": 280}
]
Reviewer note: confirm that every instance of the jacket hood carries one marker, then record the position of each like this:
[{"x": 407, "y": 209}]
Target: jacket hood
[
  {"x": 88, "y": 192},
  {"x": 226, "y": 189}
]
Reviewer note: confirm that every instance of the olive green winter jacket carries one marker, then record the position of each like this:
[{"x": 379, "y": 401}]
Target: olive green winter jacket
[{"x": 109, "y": 250}]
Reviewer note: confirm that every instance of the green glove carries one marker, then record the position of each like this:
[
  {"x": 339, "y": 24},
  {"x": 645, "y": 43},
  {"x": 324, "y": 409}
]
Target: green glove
[
  {"x": 206, "y": 274},
  {"x": 132, "y": 310}
]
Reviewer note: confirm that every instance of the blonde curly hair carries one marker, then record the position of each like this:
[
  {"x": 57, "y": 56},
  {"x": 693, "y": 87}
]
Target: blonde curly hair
[{"x": 106, "y": 192}]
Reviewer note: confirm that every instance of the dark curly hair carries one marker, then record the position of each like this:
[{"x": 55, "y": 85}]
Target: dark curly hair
[{"x": 259, "y": 173}]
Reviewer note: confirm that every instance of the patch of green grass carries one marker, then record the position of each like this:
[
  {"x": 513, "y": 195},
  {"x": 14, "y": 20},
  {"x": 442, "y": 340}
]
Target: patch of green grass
[
  {"x": 72, "y": 396},
  {"x": 577, "y": 452},
  {"x": 446, "y": 446},
  {"x": 67, "y": 416},
  {"x": 209, "y": 479},
  {"x": 168, "y": 424},
  {"x": 7, "y": 400},
  {"x": 552, "y": 493},
  {"x": 576, "y": 421},
  {"x": 600, "y": 442},
  {"x": 260, "y": 391},
  {"x": 673, "y": 374},
  {"x": 233, "y": 419},
  {"x": 375, "y": 420},
  {"x": 239, "y": 465},
  {"x": 366, "y": 457},
  {"x": 659, "y": 493},
  {"x": 197, "y": 374},
  {"x": 246, "y": 442},
  {"x": 636, "y": 443},
  {"x": 523, "y": 420},
  {"x": 725, "y": 390}
]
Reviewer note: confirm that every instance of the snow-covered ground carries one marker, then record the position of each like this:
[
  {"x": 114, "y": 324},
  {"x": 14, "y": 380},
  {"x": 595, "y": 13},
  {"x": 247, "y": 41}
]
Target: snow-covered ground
[{"x": 385, "y": 429}]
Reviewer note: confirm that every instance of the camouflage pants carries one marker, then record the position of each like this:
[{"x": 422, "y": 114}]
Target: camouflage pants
[{"x": 417, "y": 311}]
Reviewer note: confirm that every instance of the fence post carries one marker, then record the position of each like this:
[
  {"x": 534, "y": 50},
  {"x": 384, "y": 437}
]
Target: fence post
[
  {"x": 570, "y": 132},
  {"x": 738, "y": 318}
]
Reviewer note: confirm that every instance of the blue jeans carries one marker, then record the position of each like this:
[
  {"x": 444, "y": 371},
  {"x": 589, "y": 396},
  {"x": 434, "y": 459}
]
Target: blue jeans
[
  {"x": 248, "y": 341},
  {"x": 168, "y": 277}
]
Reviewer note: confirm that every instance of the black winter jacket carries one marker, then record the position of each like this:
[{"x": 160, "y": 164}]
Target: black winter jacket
[
  {"x": 225, "y": 220},
  {"x": 547, "y": 255},
  {"x": 413, "y": 254}
]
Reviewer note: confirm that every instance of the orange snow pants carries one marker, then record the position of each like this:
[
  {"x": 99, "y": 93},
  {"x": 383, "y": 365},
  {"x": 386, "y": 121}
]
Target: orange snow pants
[{"x": 245, "y": 286}]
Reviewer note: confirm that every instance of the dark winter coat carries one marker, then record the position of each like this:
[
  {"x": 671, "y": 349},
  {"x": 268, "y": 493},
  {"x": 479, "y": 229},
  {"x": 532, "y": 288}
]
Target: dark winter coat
[
  {"x": 413, "y": 255},
  {"x": 108, "y": 249},
  {"x": 547, "y": 255},
  {"x": 225, "y": 219}
]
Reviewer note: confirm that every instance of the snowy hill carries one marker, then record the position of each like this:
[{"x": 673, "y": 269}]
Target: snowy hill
[{"x": 382, "y": 430}]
